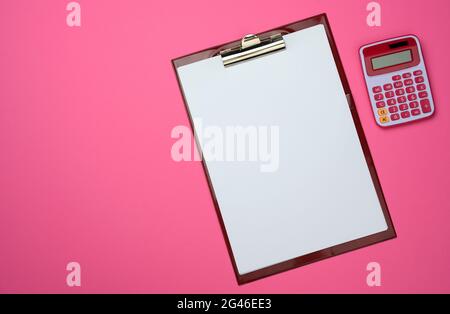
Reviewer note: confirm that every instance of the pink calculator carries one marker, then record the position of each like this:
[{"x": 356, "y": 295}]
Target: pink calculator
[{"x": 397, "y": 81}]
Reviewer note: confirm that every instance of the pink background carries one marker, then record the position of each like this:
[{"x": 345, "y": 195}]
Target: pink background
[{"x": 85, "y": 168}]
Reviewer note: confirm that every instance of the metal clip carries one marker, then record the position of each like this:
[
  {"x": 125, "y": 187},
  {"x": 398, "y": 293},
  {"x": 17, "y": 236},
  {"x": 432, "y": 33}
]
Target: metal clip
[{"x": 252, "y": 46}]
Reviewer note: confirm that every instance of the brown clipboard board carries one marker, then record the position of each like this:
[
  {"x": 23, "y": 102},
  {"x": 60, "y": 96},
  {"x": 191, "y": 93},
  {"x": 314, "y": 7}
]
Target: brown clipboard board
[{"x": 389, "y": 233}]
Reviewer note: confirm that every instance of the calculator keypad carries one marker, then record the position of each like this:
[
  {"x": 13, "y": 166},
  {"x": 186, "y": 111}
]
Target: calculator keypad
[{"x": 406, "y": 97}]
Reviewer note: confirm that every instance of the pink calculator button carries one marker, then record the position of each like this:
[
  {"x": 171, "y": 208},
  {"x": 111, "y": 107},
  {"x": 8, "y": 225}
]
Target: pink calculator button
[
  {"x": 409, "y": 82},
  {"x": 391, "y": 102},
  {"x": 418, "y": 72},
  {"x": 410, "y": 89},
  {"x": 377, "y": 89},
  {"x": 401, "y": 99},
  {"x": 393, "y": 109},
  {"x": 413, "y": 104},
  {"x": 400, "y": 92},
  {"x": 406, "y": 75},
  {"x": 381, "y": 104},
  {"x": 403, "y": 107},
  {"x": 412, "y": 97},
  {"x": 395, "y": 117},
  {"x": 396, "y": 77},
  {"x": 379, "y": 97},
  {"x": 389, "y": 94},
  {"x": 387, "y": 87},
  {"x": 423, "y": 94},
  {"x": 398, "y": 84},
  {"x": 415, "y": 112},
  {"x": 425, "y": 104},
  {"x": 419, "y": 79},
  {"x": 421, "y": 87},
  {"x": 406, "y": 114}
]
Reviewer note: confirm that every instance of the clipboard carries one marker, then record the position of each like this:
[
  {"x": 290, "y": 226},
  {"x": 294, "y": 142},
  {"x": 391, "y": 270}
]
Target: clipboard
[{"x": 276, "y": 222}]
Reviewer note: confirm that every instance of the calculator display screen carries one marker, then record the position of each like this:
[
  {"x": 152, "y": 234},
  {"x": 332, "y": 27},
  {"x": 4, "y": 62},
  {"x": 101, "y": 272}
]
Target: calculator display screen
[{"x": 392, "y": 59}]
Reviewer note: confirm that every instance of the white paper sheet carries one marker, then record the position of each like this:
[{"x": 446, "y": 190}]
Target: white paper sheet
[{"x": 322, "y": 194}]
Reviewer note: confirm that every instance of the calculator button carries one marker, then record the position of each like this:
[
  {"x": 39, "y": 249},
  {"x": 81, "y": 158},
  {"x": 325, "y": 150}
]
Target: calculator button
[
  {"x": 395, "y": 116},
  {"x": 396, "y": 77},
  {"x": 401, "y": 100},
  {"x": 381, "y": 104},
  {"x": 418, "y": 72},
  {"x": 403, "y": 107},
  {"x": 393, "y": 109},
  {"x": 391, "y": 102},
  {"x": 419, "y": 79},
  {"x": 398, "y": 84},
  {"x": 405, "y": 114},
  {"x": 421, "y": 87},
  {"x": 389, "y": 94},
  {"x": 379, "y": 97},
  {"x": 423, "y": 94},
  {"x": 377, "y": 89},
  {"x": 384, "y": 119},
  {"x": 406, "y": 75},
  {"x": 382, "y": 112},
  {"x": 412, "y": 97},
  {"x": 387, "y": 87},
  {"x": 400, "y": 92},
  {"x": 409, "y": 82},
  {"x": 413, "y": 104},
  {"x": 415, "y": 112},
  {"x": 425, "y": 104},
  {"x": 410, "y": 89}
]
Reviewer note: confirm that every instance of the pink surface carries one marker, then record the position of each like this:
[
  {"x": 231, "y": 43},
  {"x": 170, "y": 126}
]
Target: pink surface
[{"x": 86, "y": 173}]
